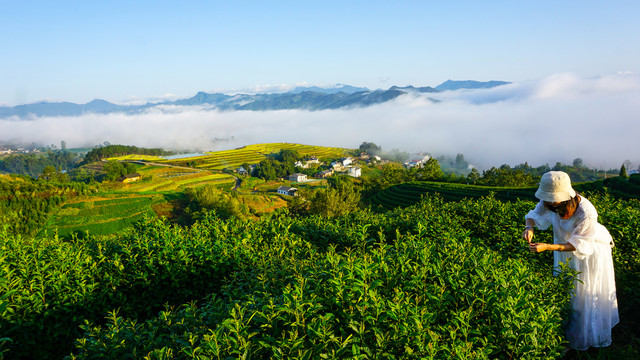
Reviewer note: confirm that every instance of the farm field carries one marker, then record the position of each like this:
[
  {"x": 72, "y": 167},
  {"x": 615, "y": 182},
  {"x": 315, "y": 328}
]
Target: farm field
[
  {"x": 120, "y": 205},
  {"x": 262, "y": 203},
  {"x": 253, "y": 154},
  {"x": 407, "y": 194},
  {"x": 231, "y": 159},
  {"x": 100, "y": 216}
]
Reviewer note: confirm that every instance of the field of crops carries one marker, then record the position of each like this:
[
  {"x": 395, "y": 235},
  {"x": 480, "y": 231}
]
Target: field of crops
[
  {"x": 253, "y": 154},
  {"x": 103, "y": 216},
  {"x": 407, "y": 194},
  {"x": 438, "y": 280},
  {"x": 232, "y": 159},
  {"x": 262, "y": 203},
  {"x": 177, "y": 181},
  {"x": 136, "y": 157}
]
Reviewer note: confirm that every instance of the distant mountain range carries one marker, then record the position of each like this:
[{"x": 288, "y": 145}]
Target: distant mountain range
[{"x": 305, "y": 98}]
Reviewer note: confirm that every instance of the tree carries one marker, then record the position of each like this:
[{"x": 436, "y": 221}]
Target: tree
[
  {"x": 49, "y": 173},
  {"x": 287, "y": 156},
  {"x": 505, "y": 176},
  {"x": 473, "y": 176},
  {"x": 428, "y": 171},
  {"x": 623, "y": 172},
  {"x": 210, "y": 197},
  {"x": 369, "y": 148},
  {"x": 397, "y": 155},
  {"x": 298, "y": 206},
  {"x": 461, "y": 163},
  {"x": 393, "y": 173},
  {"x": 578, "y": 163},
  {"x": 116, "y": 169},
  {"x": 334, "y": 201},
  {"x": 266, "y": 169}
]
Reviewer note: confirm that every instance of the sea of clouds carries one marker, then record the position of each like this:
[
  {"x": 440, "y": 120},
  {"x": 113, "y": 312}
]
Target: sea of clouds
[{"x": 556, "y": 119}]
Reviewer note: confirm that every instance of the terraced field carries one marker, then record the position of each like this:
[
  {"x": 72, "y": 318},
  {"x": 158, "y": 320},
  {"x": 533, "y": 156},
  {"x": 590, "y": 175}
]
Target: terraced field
[
  {"x": 176, "y": 181},
  {"x": 407, "y": 194},
  {"x": 101, "y": 215},
  {"x": 231, "y": 159},
  {"x": 136, "y": 157},
  {"x": 253, "y": 154}
]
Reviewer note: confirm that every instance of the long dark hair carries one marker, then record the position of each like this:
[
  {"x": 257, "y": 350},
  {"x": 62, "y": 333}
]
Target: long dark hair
[{"x": 566, "y": 209}]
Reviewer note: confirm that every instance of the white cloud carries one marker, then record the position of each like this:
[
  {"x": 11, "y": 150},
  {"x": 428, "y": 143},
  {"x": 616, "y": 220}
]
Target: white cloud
[{"x": 556, "y": 119}]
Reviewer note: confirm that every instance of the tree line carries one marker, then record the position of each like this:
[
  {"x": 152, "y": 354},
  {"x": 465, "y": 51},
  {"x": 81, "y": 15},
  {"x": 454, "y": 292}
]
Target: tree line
[
  {"x": 100, "y": 153},
  {"x": 25, "y": 203},
  {"x": 34, "y": 164}
]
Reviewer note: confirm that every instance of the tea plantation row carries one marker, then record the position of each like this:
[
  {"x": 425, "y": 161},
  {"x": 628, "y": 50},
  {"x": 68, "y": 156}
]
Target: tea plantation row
[{"x": 436, "y": 280}]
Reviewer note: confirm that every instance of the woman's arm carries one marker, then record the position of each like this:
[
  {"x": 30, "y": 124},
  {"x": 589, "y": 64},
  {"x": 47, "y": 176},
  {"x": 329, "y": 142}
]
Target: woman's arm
[
  {"x": 540, "y": 247},
  {"x": 527, "y": 234}
]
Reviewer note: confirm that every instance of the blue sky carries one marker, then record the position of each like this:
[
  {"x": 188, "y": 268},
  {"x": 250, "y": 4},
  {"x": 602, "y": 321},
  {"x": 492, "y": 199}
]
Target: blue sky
[{"x": 125, "y": 50}]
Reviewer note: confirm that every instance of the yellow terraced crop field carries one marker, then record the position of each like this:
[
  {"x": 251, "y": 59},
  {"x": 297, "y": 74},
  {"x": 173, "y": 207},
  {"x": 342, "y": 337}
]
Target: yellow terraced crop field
[
  {"x": 253, "y": 154},
  {"x": 230, "y": 159},
  {"x": 135, "y": 157},
  {"x": 171, "y": 179}
]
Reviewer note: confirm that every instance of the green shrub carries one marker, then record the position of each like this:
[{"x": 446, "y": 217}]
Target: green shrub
[{"x": 436, "y": 280}]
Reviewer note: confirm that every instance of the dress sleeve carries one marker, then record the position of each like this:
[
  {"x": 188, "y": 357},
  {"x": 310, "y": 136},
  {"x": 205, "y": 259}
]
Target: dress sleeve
[
  {"x": 541, "y": 216},
  {"x": 584, "y": 236}
]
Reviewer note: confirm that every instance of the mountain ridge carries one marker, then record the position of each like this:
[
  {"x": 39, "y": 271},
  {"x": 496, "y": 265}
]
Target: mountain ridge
[{"x": 302, "y": 98}]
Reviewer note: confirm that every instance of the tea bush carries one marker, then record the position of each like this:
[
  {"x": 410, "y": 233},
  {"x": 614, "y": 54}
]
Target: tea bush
[{"x": 436, "y": 280}]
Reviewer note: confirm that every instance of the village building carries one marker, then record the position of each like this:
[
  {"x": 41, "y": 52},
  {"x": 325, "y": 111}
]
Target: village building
[
  {"x": 354, "y": 171},
  {"x": 297, "y": 177},
  {"x": 286, "y": 190},
  {"x": 346, "y": 161},
  {"x": 312, "y": 160},
  {"x": 129, "y": 178},
  {"x": 323, "y": 174},
  {"x": 417, "y": 161}
]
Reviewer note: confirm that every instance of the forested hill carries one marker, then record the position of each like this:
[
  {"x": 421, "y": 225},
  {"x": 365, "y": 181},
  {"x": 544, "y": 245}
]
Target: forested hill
[{"x": 100, "y": 153}]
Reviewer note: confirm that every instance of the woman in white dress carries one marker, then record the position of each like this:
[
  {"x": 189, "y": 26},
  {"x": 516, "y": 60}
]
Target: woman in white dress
[{"x": 585, "y": 245}]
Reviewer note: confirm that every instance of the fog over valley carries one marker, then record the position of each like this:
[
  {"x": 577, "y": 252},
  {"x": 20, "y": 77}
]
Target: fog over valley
[{"x": 559, "y": 118}]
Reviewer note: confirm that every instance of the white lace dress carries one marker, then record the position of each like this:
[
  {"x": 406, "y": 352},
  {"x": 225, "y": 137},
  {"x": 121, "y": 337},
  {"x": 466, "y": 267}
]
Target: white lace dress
[{"x": 594, "y": 303}]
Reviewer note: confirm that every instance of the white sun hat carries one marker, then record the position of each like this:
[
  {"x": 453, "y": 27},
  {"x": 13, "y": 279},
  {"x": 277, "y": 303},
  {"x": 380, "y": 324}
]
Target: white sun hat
[{"x": 555, "y": 186}]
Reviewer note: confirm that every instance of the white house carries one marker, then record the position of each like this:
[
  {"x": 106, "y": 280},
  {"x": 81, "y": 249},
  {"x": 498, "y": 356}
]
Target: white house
[
  {"x": 346, "y": 161},
  {"x": 300, "y": 164},
  {"x": 354, "y": 171},
  {"x": 285, "y": 190},
  {"x": 312, "y": 160},
  {"x": 417, "y": 161},
  {"x": 297, "y": 177}
]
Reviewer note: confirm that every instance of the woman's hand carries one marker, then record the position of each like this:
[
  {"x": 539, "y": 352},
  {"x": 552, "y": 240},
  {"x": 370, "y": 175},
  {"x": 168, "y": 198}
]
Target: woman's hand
[
  {"x": 538, "y": 247},
  {"x": 527, "y": 234}
]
